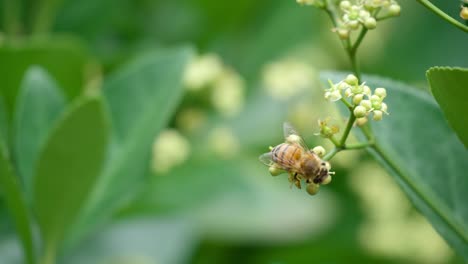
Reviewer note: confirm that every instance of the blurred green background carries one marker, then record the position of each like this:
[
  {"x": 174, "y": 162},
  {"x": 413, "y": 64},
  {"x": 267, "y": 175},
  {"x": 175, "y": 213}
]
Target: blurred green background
[{"x": 206, "y": 198}]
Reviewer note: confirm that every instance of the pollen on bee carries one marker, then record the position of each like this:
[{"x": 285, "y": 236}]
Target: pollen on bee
[
  {"x": 271, "y": 148},
  {"x": 293, "y": 138}
]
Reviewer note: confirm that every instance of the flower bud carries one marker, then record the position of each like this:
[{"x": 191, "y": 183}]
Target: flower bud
[
  {"x": 275, "y": 171},
  {"x": 361, "y": 121},
  {"x": 319, "y": 150},
  {"x": 333, "y": 95},
  {"x": 375, "y": 98},
  {"x": 360, "y": 111},
  {"x": 345, "y": 5},
  {"x": 353, "y": 24},
  {"x": 376, "y": 105},
  {"x": 370, "y": 23},
  {"x": 312, "y": 188},
  {"x": 380, "y": 92},
  {"x": 364, "y": 14},
  {"x": 464, "y": 13},
  {"x": 348, "y": 92},
  {"x": 351, "y": 80},
  {"x": 383, "y": 108},
  {"x": 394, "y": 9},
  {"x": 342, "y": 85},
  {"x": 366, "y": 90},
  {"x": 326, "y": 180},
  {"x": 343, "y": 33},
  {"x": 357, "y": 99},
  {"x": 357, "y": 89},
  {"x": 367, "y": 104},
  {"x": 377, "y": 115}
]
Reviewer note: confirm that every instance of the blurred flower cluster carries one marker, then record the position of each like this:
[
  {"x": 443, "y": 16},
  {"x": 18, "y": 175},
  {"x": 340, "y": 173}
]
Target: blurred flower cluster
[
  {"x": 392, "y": 228},
  {"x": 363, "y": 100},
  {"x": 287, "y": 78},
  {"x": 205, "y": 77},
  {"x": 226, "y": 86}
]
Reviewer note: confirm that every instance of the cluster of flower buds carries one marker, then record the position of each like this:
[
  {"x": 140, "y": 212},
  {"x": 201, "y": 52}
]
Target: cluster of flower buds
[
  {"x": 363, "y": 13},
  {"x": 364, "y": 100}
]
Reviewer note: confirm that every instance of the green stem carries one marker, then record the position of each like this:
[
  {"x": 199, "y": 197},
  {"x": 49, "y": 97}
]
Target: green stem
[
  {"x": 360, "y": 145},
  {"x": 12, "y": 17},
  {"x": 414, "y": 187},
  {"x": 332, "y": 153},
  {"x": 334, "y": 141},
  {"x": 345, "y": 135},
  {"x": 348, "y": 105},
  {"x": 443, "y": 15}
]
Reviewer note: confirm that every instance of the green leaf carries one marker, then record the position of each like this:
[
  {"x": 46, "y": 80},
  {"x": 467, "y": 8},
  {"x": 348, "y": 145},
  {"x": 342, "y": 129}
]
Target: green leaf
[
  {"x": 3, "y": 123},
  {"x": 415, "y": 144},
  {"x": 449, "y": 87},
  {"x": 68, "y": 167},
  {"x": 39, "y": 104},
  {"x": 63, "y": 58},
  {"x": 16, "y": 204},
  {"x": 141, "y": 98}
]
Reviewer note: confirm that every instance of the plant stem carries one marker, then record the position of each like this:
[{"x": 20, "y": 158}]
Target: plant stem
[
  {"x": 345, "y": 135},
  {"x": 443, "y": 15},
  {"x": 332, "y": 153},
  {"x": 407, "y": 180}
]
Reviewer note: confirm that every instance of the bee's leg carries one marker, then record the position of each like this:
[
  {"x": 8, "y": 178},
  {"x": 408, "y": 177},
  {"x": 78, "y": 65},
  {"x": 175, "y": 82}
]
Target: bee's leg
[
  {"x": 297, "y": 180},
  {"x": 291, "y": 177}
]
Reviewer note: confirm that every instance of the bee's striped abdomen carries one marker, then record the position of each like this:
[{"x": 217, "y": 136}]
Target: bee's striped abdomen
[{"x": 285, "y": 154}]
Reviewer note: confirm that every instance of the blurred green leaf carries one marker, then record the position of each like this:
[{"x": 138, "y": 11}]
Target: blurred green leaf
[
  {"x": 139, "y": 240},
  {"x": 415, "y": 144},
  {"x": 68, "y": 167},
  {"x": 63, "y": 58},
  {"x": 3, "y": 123},
  {"x": 40, "y": 102},
  {"x": 449, "y": 87},
  {"x": 16, "y": 204},
  {"x": 141, "y": 98}
]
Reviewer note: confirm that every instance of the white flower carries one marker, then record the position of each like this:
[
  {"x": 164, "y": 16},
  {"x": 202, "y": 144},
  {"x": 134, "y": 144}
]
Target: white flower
[
  {"x": 285, "y": 79},
  {"x": 228, "y": 93},
  {"x": 169, "y": 149},
  {"x": 202, "y": 71}
]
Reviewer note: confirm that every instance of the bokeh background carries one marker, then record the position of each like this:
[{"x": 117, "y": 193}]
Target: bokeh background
[{"x": 208, "y": 199}]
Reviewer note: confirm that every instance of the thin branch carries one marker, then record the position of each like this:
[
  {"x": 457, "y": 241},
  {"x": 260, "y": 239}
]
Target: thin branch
[{"x": 434, "y": 9}]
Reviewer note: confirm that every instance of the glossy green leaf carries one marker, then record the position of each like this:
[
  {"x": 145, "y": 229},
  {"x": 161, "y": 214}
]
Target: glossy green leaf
[
  {"x": 63, "y": 58},
  {"x": 16, "y": 204},
  {"x": 68, "y": 167},
  {"x": 141, "y": 98},
  {"x": 40, "y": 102},
  {"x": 416, "y": 145},
  {"x": 449, "y": 87}
]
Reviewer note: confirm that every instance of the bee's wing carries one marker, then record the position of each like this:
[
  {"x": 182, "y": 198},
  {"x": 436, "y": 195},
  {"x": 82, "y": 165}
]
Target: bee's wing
[
  {"x": 266, "y": 158},
  {"x": 288, "y": 130}
]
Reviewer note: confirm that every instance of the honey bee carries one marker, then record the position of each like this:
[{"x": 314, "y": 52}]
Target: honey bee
[{"x": 297, "y": 159}]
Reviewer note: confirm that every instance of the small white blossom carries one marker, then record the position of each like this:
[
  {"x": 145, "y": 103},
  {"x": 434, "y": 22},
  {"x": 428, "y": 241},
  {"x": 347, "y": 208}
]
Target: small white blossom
[
  {"x": 170, "y": 149},
  {"x": 202, "y": 71},
  {"x": 228, "y": 93}
]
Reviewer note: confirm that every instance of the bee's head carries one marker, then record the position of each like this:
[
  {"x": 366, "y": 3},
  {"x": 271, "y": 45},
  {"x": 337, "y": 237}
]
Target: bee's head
[{"x": 323, "y": 172}]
